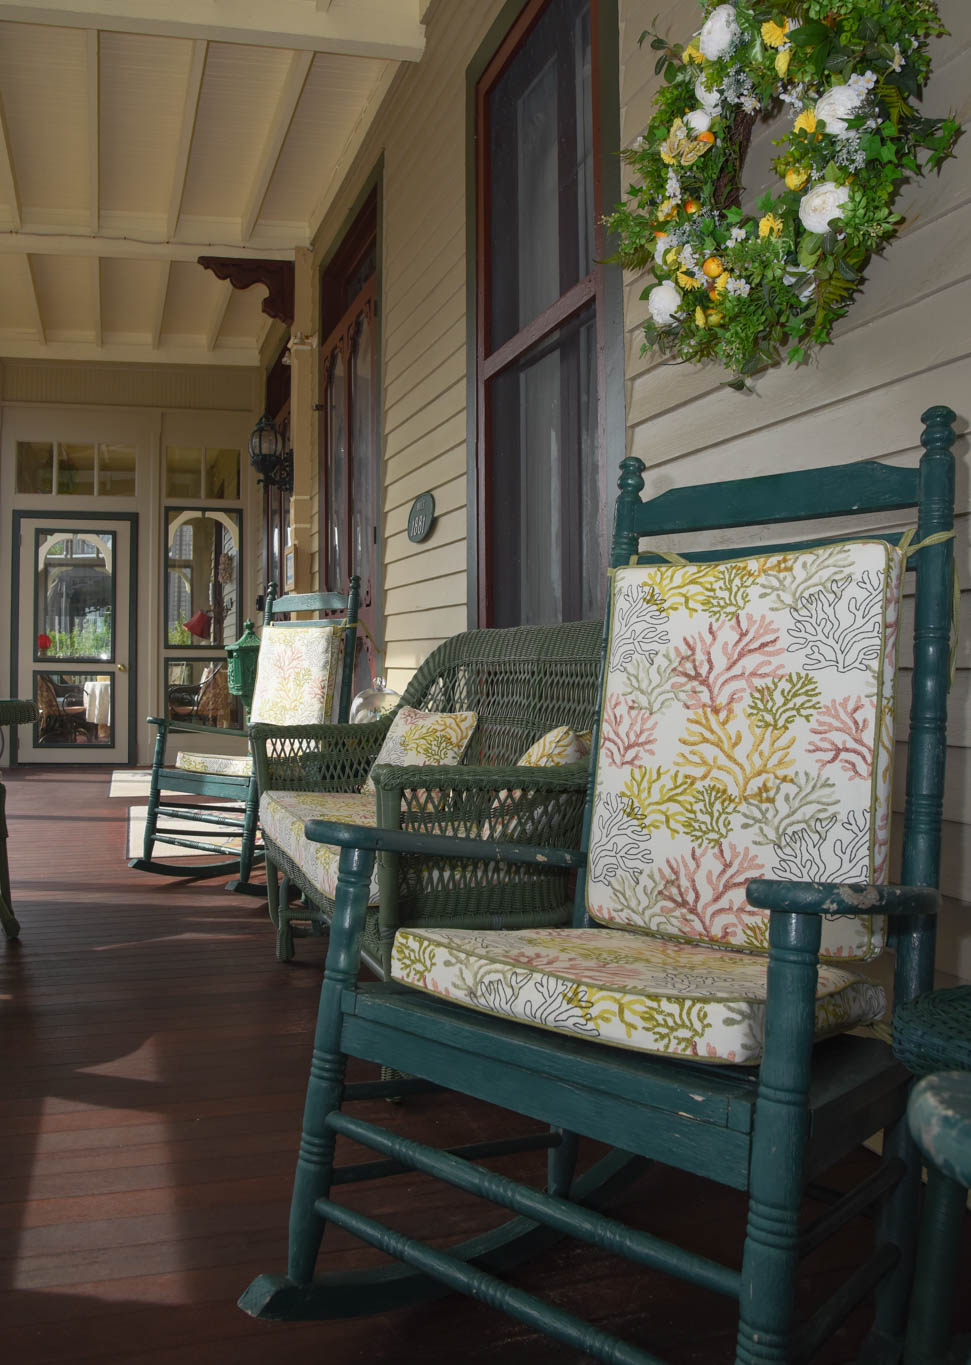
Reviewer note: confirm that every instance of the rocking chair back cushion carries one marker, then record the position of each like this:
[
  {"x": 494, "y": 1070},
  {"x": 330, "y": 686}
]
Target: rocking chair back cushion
[
  {"x": 747, "y": 731},
  {"x": 296, "y": 675}
]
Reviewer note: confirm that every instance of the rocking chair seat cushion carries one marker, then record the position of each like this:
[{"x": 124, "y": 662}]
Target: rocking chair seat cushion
[
  {"x": 283, "y": 816},
  {"x": 747, "y": 731},
  {"x": 221, "y": 765},
  {"x": 620, "y": 988}
]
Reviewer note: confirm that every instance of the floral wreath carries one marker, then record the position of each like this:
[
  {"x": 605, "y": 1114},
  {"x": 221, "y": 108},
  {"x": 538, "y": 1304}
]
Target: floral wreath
[{"x": 746, "y": 291}]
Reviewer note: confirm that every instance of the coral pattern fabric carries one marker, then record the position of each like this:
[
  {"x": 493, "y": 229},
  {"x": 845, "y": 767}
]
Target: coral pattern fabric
[
  {"x": 221, "y": 765},
  {"x": 284, "y": 814},
  {"x": 746, "y": 731},
  {"x": 296, "y": 675},
  {"x": 626, "y": 989},
  {"x": 419, "y": 738}
]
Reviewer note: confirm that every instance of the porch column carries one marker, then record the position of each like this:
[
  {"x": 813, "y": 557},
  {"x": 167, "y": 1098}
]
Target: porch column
[{"x": 303, "y": 419}]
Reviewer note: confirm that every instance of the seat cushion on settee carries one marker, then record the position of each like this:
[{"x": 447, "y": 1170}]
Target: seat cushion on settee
[
  {"x": 284, "y": 814},
  {"x": 621, "y": 988},
  {"x": 219, "y": 765}
]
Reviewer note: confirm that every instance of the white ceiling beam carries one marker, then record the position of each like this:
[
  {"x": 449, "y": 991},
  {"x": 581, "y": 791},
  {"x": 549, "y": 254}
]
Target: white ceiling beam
[
  {"x": 16, "y": 348},
  {"x": 8, "y": 176},
  {"x": 391, "y": 31},
  {"x": 286, "y": 107},
  {"x": 124, "y": 248},
  {"x": 164, "y": 270},
  {"x": 94, "y": 136},
  {"x": 190, "y": 108},
  {"x": 351, "y": 148},
  {"x": 218, "y": 315},
  {"x": 34, "y": 301},
  {"x": 96, "y": 282}
]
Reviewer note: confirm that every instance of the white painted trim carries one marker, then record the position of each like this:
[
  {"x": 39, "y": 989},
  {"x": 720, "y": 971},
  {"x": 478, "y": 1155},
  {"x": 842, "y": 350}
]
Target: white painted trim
[
  {"x": 190, "y": 109},
  {"x": 83, "y": 244},
  {"x": 391, "y": 30},
  {"x": 276, "y": 134}
]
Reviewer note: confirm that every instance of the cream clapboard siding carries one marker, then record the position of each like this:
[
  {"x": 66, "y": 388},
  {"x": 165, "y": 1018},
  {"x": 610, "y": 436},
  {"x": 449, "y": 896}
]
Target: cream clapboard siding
[
  {"x": 420, "y": 130},
  {"x": 904, "y": 346}
]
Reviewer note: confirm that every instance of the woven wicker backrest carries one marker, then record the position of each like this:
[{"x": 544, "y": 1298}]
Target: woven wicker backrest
[{"x": 520, "y": 681}]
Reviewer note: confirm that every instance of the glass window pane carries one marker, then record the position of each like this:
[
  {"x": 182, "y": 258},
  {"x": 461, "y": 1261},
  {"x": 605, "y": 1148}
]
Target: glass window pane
[
  {"x": 545, "y": 482},
  {"x": 75, "y": 469},
  {"x": 116, "y": 471},
  {"x": 540, "y": 170},
  {"x": 222, "y": 474},
  {"x": 75, "y": 708},
  {"x": 74, "y": 594},
  {"x": 202, "y": 578},
  {"x": 183, "y": 472},
  {"x": 198, "y": 690},
  {"x": 336, "y": 477},
  {"x": 35, "y": 467}
]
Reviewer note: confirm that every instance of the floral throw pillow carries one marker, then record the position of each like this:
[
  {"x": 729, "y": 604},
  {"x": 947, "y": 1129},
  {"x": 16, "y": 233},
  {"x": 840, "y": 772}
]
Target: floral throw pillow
[{"x": 420, "y": 738}]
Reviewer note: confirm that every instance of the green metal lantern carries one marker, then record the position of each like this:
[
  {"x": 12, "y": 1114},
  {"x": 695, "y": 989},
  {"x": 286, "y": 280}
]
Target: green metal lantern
[{"x": 243, "y": 657}]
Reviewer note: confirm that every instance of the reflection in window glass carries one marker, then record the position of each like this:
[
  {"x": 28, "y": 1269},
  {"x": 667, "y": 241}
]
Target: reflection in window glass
[
  {"x": 183, "y": 472},
  {"x": 222, "y": 474},
  {"x": 75, "y": 469},
  {"x": 74, "y": 708},
  {"x": 116, "y": 471},
  {"x": 74, "y": 594},
  {"x": 202, "y": 577},
  {"x": 198, "y": 690},
  {"x": 35, "y": 467}
]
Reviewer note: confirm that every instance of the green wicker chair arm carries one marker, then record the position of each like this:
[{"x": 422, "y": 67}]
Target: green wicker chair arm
[
  {"x": 440, "y": 846},
  {"x": 842, "y": 898}
]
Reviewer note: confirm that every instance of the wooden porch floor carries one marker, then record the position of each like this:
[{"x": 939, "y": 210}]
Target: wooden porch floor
[{"x": 152, "y": 1071}]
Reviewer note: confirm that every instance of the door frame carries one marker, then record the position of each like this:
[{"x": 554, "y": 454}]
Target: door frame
[{"x": 50, "y": 514}]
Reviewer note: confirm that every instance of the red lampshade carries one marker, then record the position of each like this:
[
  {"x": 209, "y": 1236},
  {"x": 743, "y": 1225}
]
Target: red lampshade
[{"x": 200, "y": 624}]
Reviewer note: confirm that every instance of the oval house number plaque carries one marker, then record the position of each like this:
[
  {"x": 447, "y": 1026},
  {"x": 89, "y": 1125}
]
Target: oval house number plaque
[{"x": 420, "y": 517}]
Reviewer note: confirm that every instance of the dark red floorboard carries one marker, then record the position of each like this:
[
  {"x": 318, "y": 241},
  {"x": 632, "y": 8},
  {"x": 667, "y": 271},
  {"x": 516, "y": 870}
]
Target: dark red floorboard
[{"x": 151, "y": 1083}]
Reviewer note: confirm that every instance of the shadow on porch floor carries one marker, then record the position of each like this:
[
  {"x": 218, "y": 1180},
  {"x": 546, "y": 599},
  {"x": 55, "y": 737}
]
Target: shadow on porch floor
[{"x": 151, "y": 1083}]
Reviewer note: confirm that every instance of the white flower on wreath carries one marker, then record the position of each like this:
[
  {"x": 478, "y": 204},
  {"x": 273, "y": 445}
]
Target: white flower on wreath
[
  {"x": 708, "y": 99},
  {"x": 719, "y": 33},
  {"x": 699, "y": 120},
  {"x": 663, "y": 302},
  {"x": 663, "y": 243},
  {"x": 837, "y": 105},
  {"x": 821, "y": 205}
]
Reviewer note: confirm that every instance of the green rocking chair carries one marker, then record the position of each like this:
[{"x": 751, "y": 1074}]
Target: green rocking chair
[
  {"x": 301, "y": 664},
  {"x": 706, "y": 1010}
]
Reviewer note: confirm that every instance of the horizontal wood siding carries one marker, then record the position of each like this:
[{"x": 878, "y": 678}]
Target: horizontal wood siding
[
  {"x": 420, "y": 130},
  {"x": 903, "y": 347}
]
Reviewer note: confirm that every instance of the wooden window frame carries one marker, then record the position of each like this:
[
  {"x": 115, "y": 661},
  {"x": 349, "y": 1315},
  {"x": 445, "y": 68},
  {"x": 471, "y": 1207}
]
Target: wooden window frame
[{"x": 603, "y": 285}]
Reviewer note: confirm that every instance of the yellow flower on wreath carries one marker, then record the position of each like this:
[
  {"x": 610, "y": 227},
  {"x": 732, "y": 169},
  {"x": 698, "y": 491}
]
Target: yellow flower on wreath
[
  {"x": 796, "y": 177},
  {"x": 700, "y": 317},
  {"x": 805, "y": 123},
  {"x": 774, "y": 35},
  {"x": 692, "y": 53},
  {"x": 782, "y": 60},
  {"x": 688, "y": 281},
  {"x": 770, "y": 225}
]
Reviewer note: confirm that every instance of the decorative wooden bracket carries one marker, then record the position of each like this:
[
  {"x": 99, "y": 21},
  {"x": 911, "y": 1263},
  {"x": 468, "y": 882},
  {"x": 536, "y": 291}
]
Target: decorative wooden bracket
[{"x": 276, "y": 275}]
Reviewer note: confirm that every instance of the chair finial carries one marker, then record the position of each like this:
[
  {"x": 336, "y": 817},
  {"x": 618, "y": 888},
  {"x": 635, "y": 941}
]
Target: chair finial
[{"x": 938, "y": 433}]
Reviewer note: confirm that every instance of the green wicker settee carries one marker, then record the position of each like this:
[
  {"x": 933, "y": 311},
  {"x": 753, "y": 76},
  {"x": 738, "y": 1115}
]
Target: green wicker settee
[{"x": 521, "y": 683}]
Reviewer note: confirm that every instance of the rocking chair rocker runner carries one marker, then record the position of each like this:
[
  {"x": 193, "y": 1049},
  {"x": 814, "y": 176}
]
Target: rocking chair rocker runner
[
  {"x": 735, "y": 844},
  {"x": 287, "y": 650}
]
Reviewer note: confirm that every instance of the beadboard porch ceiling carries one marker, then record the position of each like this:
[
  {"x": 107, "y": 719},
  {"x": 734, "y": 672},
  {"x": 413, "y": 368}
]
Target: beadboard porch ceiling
[{"x": 137, "y": 135}]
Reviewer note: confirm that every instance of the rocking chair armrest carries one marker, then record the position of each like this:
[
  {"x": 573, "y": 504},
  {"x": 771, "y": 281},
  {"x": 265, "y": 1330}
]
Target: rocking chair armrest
[
  {"x": 367, "y": 736},
  {"x": 192, "y": 727},
  {"x": 568, "y": 777},
  {"x": 842, "y": 898},
  {"x": 438, "y": 846}
]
